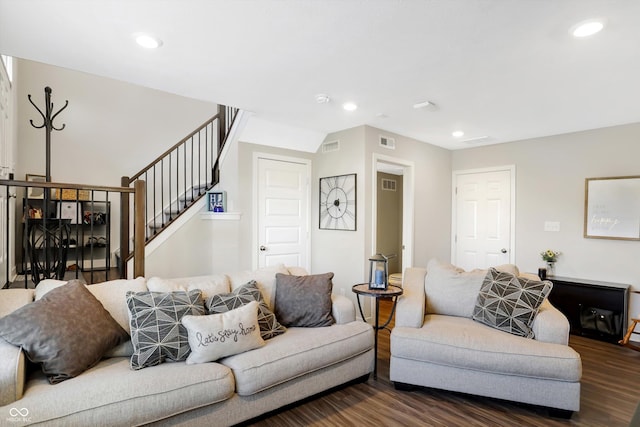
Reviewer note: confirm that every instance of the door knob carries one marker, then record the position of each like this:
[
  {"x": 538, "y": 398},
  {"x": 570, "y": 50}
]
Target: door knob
[
  {"x": 263, "y": 248},
  {"x": 503, "y": 250}
]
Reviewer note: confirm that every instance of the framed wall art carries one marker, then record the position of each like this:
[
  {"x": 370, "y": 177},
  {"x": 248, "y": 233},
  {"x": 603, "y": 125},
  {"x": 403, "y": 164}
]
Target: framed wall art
[
  {"x": 217, "y": 201},
  {"x": 612, "y": 208},
  {"x": 338, "y": 210}
]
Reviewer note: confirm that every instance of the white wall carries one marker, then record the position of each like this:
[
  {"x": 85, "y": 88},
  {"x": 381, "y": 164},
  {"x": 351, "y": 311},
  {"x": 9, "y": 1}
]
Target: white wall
[
  {"x": 432, "y": 193},
  {"x": 342, "y": 252},
  {"x": 550, "y": 186},
  {"x": 105, "y": 118}
]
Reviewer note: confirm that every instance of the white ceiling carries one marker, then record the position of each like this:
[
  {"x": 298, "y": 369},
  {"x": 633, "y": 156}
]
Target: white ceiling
[{"x": 507, "y": 69}]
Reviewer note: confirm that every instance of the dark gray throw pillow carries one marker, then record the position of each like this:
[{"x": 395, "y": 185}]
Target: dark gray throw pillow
[
  {"x": 304, "y": 301},
  {"x": 157, "y": 333},
  {"x": 510, "y": 303},
  {"x": 221, "y": 303},
  {"x": 67, "y": 331}
]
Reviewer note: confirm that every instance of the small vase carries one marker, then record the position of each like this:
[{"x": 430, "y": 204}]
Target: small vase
[{"x": 550, "y": 268}]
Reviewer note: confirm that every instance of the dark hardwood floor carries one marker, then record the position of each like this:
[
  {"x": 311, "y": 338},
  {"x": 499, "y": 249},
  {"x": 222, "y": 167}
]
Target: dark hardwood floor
[{"x": 610, "y": 393}]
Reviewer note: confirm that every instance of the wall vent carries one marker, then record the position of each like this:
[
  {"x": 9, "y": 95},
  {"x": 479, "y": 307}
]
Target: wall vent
[
  {"x": 388, "y": 184},
  {"x": 329, "y": 146},
  {"x": 387, "y": 142}
]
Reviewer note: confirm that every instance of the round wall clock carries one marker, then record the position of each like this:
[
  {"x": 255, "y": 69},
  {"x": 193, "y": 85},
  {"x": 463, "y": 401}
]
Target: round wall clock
[{"x": 338, "y": 202}]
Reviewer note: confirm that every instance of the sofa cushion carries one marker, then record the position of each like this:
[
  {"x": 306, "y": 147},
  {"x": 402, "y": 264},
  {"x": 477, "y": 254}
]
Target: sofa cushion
[
  {"x": 13, "y": 299},
  {"x": 47, "y": 285},
  {"x": 209, "y": 285},
  {"x": 269, "y": 325},
  {"x": 297, "y": 352},
  {"x": 451, "y": 290},
  {"x": 67, "y": 331},
  {"x": 218, "y": 335},
  {"x": 110, "y": 394},
  {"x": 157, "y": 332},
  {"x": 265, "y": 278},
  {"x": 510, "y": 303},
  {"x": 304, "y": 301},
  {"x": 113, "y": 295},
  {"x": 461, "y": 342}
]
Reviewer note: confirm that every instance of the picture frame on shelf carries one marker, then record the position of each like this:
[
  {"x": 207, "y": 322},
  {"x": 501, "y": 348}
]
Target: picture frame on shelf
[
  {"x": 35, "y": 192},
  {"x": 217, "y": 201},
  {"x": 70, "y": 210}
]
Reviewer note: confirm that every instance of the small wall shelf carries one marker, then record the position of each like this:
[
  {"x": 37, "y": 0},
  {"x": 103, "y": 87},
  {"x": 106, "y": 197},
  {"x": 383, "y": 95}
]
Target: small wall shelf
[{"x": 221, "y": 216}]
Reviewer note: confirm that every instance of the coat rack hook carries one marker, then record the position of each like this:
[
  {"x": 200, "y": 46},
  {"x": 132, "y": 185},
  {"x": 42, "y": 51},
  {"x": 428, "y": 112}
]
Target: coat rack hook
[{"x": 47, "y": 118}]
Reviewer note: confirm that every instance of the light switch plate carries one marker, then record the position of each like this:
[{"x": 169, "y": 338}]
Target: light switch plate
[{"x": 551, "y": 226}]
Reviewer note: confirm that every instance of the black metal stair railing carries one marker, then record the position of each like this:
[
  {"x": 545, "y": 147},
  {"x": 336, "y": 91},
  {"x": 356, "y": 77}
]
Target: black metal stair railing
[
  {"x": 64, "y": 231},
  {"x": 183, "y": 174}
]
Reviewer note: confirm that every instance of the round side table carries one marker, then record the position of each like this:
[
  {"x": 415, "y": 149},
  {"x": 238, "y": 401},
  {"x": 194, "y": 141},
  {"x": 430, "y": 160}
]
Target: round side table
[{"x": 392, "y": 292}]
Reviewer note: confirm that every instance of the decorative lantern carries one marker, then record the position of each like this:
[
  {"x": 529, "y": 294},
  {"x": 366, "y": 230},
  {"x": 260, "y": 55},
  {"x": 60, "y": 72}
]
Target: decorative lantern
[{"x": 378, "y": 271}]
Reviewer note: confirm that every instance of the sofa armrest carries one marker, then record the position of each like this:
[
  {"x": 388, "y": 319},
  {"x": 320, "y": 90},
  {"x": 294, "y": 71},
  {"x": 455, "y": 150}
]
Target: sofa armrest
[
  {"x": 550, "y": 325},
  {"x": 411, "y": 304},
  {"x": 12, "y": 373},
  {"x": 342, "y": 309}
]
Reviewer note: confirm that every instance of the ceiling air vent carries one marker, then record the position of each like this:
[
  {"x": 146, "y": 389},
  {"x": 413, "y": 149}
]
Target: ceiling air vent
[
  {"x": 388, "y": 184},
  {"x": 387, "y": 142},
  {"x": 329, "y": 146}
]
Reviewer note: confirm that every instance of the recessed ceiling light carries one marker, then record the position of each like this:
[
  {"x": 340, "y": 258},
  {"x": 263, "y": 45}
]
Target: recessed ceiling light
[
  {"x": 587, "y": 28},
  {"x": 457, "y": 133},
  {"x": 147, "y": 41},
  {"x": 349, "y": 106},
  {"x": 321, "y": 98}
]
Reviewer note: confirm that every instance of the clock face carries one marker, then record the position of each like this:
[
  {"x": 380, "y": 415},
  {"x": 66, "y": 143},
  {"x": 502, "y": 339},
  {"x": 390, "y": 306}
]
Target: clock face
[{"x": 338, "y": 202}]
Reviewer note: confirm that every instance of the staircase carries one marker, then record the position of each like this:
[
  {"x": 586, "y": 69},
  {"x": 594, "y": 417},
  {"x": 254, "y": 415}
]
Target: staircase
[{"x": 182, "y": 175}]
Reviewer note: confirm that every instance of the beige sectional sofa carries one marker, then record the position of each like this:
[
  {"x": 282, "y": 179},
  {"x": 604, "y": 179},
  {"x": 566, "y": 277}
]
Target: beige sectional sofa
[
  {"x": 289, "y": 367},
  {"x": 436, "y": 343}
]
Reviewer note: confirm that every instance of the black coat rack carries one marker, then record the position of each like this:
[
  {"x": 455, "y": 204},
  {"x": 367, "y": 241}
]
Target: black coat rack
[
  {"x": 47, "y": 123},
  {"x": 47, "y": 238}
]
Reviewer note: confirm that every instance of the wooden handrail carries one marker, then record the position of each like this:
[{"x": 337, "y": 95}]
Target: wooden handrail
[
  {"x": 174, "y": 147},
  {"x": 64, "y": 185}
]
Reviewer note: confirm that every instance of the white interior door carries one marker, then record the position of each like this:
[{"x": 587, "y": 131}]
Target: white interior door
[
  {"x": 483, "y": 218},
  {"x": 283, "y": 212}
]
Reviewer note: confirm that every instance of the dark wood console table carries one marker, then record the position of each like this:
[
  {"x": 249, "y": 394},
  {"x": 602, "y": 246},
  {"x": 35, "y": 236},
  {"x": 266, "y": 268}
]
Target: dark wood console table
[{"x": 569, "y": 294}]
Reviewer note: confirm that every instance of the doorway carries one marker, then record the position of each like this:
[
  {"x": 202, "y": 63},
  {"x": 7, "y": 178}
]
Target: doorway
[
  {"x": 389, "y": 215},
  {"x": 483, "y": 217},
  {"x": 392, "y": 210},
  {"x": 283, "y": 198}
]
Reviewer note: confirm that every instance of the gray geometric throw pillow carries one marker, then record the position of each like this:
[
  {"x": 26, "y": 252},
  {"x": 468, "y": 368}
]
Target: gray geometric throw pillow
[
  {"x": 510, "y": 303},
  {"x": 221, "y": 303},
  {"x": 157, "y": 333}
]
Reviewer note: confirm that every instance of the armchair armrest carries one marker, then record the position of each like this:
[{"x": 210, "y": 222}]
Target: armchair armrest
[
  {"x": 342, "y": 309},
  {"x": 550, "y": 325},
  {"x": 12, "y": 373},
  {"x": 411, "y": 304}
]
